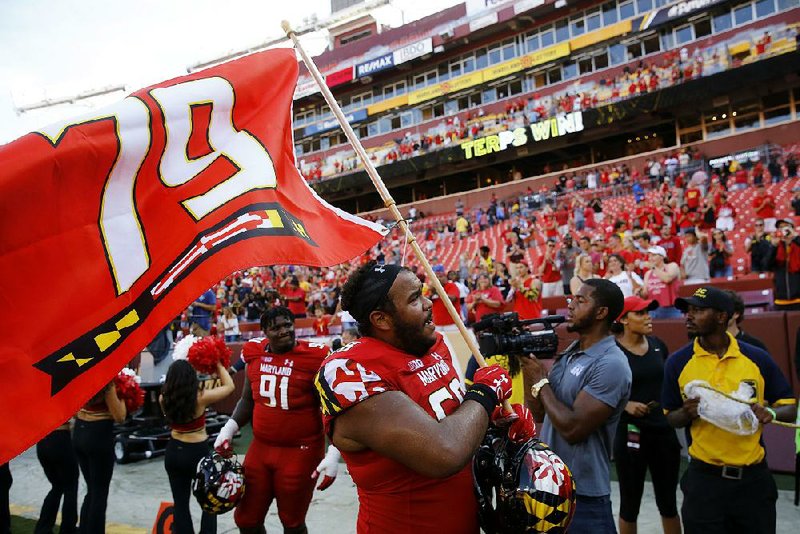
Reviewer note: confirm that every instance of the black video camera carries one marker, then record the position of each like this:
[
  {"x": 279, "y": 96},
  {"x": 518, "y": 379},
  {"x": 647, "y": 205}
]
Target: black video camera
[{"x": 506, "y": 334}]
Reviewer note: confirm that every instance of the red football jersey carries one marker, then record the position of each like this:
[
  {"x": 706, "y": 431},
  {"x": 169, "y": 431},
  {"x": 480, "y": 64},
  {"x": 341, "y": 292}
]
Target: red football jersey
[
  {"x": 286, "y": 411},
  {"x": 392, "y": 497}
]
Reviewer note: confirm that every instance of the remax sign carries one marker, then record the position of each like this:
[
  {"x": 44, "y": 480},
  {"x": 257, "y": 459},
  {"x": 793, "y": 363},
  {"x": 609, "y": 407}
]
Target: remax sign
[{"x": 374, "y": 65}]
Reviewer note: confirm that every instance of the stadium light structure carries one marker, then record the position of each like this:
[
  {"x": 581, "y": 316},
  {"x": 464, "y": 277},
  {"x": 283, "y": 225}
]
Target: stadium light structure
[
  {"x": 74, "y": 98},
  {"x": 310, "y": 25}
]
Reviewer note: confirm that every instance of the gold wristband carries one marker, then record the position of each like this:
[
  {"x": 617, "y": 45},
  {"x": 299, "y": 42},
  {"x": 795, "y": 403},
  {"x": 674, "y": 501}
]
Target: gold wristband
[{"x": 537, "y": 387}]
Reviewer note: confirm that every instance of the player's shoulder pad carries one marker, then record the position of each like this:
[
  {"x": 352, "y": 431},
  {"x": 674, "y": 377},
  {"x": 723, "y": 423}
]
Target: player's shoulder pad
[
  {"x": 253, "y": 348},
  {"x": 314, "y": 347}
]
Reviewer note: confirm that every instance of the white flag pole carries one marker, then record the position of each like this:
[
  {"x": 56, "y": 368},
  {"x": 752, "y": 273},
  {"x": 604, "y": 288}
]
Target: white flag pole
[{"x": 388, "y": 201}]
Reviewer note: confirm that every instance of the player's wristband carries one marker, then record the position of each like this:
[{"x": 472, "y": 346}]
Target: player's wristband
[
  {"x": 771, "y": 412},
  {"x": 483, "y": 395}
]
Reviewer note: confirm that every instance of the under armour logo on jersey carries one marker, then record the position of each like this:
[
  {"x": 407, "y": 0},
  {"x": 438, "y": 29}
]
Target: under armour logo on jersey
[
  {"x": 436, "y": 356},
  {"x": 500, "y": 381},
  {"x": 380, "y": 269}
]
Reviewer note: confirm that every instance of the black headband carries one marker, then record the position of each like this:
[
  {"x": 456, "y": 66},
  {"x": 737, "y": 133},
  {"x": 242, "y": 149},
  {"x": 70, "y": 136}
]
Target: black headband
[{"x": 375, "y": 286}]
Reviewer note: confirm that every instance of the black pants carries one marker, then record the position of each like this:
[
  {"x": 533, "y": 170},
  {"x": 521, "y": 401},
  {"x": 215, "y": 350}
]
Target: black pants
[
  {"x": 94, "y": 446},
  {"x": 716, "y": 505},
  {"x": 60, "y": 466},
  {"x": 5, "y": 487},
  {"x": 659, "y": 452},
  {"x": 181, "y": 461}
]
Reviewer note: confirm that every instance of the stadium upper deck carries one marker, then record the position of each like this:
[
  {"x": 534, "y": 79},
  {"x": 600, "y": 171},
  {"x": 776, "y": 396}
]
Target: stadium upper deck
[{"x": 571, "y": 85}]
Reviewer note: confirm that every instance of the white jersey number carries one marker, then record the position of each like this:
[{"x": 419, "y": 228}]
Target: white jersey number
[
  {"x": 267, "y": 390},
  {"x": 121, "y": 228},
  {"x": 449, "y": 392}
]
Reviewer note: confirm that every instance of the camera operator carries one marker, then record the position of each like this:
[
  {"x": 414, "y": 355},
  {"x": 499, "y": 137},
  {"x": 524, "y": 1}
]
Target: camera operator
[
  {"x": 786, "y": 266},
  {"x": 582, "y": 398}
]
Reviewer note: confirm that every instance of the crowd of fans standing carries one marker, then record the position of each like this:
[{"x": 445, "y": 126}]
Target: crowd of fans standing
[{"x": 677, "y": 233}]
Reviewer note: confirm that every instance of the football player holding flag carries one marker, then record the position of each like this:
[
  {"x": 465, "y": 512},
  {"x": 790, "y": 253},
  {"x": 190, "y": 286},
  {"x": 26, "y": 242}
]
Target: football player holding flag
[{"x": 394, "y": 405}]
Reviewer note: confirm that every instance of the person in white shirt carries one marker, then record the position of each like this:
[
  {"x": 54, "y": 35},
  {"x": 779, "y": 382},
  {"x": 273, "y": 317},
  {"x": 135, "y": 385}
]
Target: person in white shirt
[
  {"x": 229, "y": 325},
  {"x": 628, "y": 281},
  {"x": 694, "y": 261},
  {"x": 591, "y": 180}
]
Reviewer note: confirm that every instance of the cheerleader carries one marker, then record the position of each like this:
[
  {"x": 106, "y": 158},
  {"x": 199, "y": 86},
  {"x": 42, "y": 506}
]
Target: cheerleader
[
  {"x": 93, "y": 441},
  {"x": 184, "y": 404},
  {"x": 57, "y": 458}
]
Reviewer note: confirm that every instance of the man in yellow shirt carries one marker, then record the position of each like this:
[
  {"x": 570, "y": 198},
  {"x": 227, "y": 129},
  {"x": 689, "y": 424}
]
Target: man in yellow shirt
[
  {"x": 728, "y": 486},
  {"x": 462, "y": 227}
]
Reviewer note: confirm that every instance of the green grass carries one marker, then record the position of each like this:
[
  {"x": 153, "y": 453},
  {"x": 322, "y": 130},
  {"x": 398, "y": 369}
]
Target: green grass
[
  {"x": 240, "y": 444},
  {"x": 22, "y": 525}
]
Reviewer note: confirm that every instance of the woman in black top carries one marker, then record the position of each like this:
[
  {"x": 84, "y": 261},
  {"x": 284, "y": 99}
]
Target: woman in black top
[
  {"x": 644, "y": 439},
  {"x": 184, "y": 403},
  {"x": 500, "y": 279}
]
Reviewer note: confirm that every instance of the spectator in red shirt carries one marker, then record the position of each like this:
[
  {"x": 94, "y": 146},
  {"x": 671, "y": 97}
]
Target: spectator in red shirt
[
  {"x": 726, "y": 214},
  {"x": 686, "y": 219},
  {"x": 294, "y": 296},
  {"x": 588, "y": 215},
  {"x": 485, "y": 299},
  {"x": 439, "y": 310},
  {"x": 550, "y": 224},
  {"x": 562, "y": 219},
  {"x": 672, "y": 244},
  {"x": 764, "y": 208},
  {"x": 321, "y": 322},
  {"x": 526, "y": 293},
  {"x": 692, "y": 197},
  {"x": 549, "y": 272}
]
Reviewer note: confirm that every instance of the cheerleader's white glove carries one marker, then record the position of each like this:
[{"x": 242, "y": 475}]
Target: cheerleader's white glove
[
  {"x": 328, "y": 468},
  {"x": 224, "y": 442}
]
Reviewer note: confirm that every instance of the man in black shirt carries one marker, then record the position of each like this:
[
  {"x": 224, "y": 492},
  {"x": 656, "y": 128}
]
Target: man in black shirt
[
  {"x": 759, "y": 245},
  {"x": 735, "y": 323}
]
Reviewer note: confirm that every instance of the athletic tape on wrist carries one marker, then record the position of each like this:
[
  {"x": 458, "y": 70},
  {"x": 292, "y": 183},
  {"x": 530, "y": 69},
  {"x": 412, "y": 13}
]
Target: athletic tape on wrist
[{"x": 483, "y": 395}]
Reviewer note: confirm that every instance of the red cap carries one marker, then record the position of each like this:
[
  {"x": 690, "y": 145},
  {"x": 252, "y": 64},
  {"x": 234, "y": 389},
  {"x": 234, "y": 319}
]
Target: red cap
[
  {"x": 525, "y": 263},
  {"x": 636, "y": 304}
]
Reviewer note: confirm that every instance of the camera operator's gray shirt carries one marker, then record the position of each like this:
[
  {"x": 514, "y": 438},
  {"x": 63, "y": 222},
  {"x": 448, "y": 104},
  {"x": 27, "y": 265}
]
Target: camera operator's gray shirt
[{"x": 602, "y": 371}]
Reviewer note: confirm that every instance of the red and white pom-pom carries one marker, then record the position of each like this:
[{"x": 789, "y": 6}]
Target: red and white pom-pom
[
  {"x": 128, "y": 389},
  {"x": 204, "y": 354}
]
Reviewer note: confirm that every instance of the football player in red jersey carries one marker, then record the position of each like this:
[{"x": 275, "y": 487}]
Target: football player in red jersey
[
  {"x": 280, "y": 400},
  {"x": 394, "y": 405}
]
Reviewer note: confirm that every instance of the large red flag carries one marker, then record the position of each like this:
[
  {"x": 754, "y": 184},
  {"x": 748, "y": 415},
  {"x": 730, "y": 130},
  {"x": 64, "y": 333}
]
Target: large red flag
[{"x": 113, "y": 223}]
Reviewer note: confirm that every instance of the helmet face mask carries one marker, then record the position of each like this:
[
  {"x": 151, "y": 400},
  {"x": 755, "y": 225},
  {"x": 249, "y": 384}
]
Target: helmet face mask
[
  {"x": 218, "y": 485},
  {"x": 531, "y": 487}
]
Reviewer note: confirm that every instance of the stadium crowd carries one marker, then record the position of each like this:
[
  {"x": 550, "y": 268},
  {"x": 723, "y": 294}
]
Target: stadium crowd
[{"x": 674, "y": 215}]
